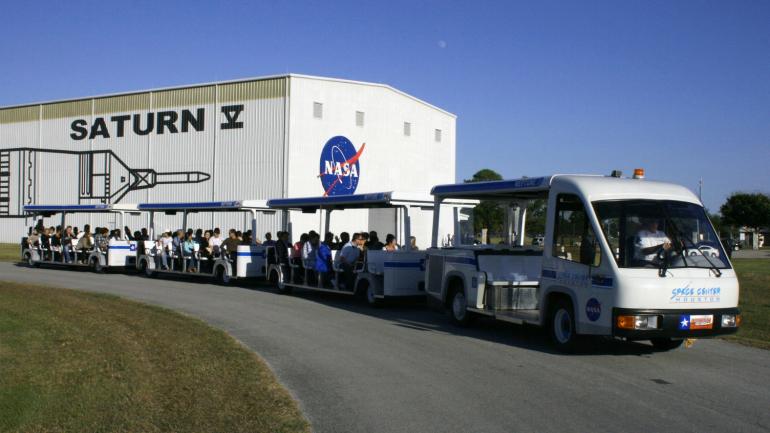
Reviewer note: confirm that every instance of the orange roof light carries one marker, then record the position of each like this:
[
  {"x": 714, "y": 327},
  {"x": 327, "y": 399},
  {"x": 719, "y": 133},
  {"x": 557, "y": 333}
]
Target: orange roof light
[{"x": 638, "y": 173}]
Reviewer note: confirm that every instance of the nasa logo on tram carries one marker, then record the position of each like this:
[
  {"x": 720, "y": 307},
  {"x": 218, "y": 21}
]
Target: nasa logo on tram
[{"x": 340, "y": 168}]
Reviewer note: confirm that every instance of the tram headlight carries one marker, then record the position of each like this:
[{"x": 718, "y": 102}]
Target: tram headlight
[{"x": 731, "y": 320}]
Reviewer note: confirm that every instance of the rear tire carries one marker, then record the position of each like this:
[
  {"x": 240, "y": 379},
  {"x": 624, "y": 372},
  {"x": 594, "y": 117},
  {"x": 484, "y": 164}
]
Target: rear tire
[
  {"x": 562, "y": 326},
  {"x": 278, "y": 283},
  {"x": 222, "y": 276},
  {"x": 665, "y": 344},
  {"x": 96, "y": 265},
  {"x": 458, "y": 308},
  {"x": 371, "y": 296}
]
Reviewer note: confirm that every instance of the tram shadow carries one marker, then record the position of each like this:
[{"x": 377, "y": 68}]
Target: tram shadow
[{"x": 414, "y": 315}]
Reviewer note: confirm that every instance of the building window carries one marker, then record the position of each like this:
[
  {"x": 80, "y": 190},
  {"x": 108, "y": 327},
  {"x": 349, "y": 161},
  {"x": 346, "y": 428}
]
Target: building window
[
  {"x": 318, "y": 110},
  {"x": 359, "y": 118},
  {"x": 407, "y": 129},
  {"x": 437, "y": 136}
]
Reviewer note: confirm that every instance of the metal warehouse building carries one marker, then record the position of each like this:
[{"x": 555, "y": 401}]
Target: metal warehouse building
[{"x": 279, "y": 136}]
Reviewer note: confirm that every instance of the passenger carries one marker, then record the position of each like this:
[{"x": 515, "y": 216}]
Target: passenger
[
  {"x": 239, "y": 235},
  {"x": 329, "y": 240},
  {"x": 205, "y": 245},
  {"x": 343, "y": 240},
  {"x": 66, "y": 243},
  {"x": 216, "y": 242},
  {"x": 128, "y": 232},
  {"x": 45, "y": 243},
  {"x": 246, "y": 239},
  {"x": 649, "y": 241},
  {"x": 282, "y": 247},
  {"x": 269, "y": 242},
  {"x": 84, "y": 245},
  {"x": 348, "y": 257},
  {"x": 374, "y": 242},
  {"x": 33, "y": 239},
  {"x": 101, "y": 240},
  {"x": 230, "y": 245},
  {"x": 390, "y": 243},
  {"x": 323, "y": 261},
  {"x": 166, "y": 245},
  {"x": 144, "y": 235},
  {"x": 188, "y": 251},
  {"x": 77, "y": 233},
  {"x": 308, "y": 249},
  {"x": 198, "y": 236},
  {"x": 176, "y": 244},
  {"x": 296, "y": 249},
  {"x": 413, "y": 243},
  {"x": 56, "y": 244}
]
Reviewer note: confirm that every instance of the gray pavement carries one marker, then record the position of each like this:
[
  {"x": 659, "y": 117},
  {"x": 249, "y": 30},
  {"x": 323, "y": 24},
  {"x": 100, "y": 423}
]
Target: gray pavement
[{"x": 406, "y": 369}]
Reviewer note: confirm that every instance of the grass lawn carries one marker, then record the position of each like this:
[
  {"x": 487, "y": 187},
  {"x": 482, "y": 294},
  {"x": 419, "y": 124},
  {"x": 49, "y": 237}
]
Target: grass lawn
[
  {"x": 79, "y": 362},
  {"x": 9, "y": 253},
  {"x": 754, "y": 277}
]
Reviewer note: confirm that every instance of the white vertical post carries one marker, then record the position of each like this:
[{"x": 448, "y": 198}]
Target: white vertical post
[
  {"x": 327, "y": 221},
  {"x": 253, "y": 226},
  {"x": 152, "y": 225},
  {"x": 407, "y": 228},
  {"x": 522, "y": 223},
  {"x": 436, "y": 213}
]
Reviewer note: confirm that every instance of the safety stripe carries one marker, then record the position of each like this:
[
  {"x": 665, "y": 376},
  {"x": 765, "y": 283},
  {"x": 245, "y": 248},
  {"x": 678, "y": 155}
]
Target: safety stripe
[
  {"x": 402, "y": 265},
  {"x": 461, "y": 260}
]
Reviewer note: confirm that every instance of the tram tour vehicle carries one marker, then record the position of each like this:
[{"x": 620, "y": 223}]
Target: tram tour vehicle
[
  {"x": 377, "y": 274},
  {"x": 621, "y": 257},
  {"x": 115, "y": 254},
  {"x": 163, "y": 257}
]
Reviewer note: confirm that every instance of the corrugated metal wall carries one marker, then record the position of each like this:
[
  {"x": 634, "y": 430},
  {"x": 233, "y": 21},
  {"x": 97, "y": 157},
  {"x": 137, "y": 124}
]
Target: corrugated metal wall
[{"x": 242, "y": 163}]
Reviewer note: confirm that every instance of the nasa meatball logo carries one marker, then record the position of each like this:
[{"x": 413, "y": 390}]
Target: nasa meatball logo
[
  {"x": 340, "y": 168},
  {"x": 593, "y": 309}
]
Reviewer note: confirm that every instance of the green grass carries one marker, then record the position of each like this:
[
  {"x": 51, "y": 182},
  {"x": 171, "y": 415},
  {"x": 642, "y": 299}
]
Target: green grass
[
  {"x": 754, "y": 278},
  {"x": 79, "y": 362},
  {"x": 9, "y": 253}
]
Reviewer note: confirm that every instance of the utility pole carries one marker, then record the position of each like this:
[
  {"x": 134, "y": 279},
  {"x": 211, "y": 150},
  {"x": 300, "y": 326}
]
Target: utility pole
[{"x": 700, "y": 190}]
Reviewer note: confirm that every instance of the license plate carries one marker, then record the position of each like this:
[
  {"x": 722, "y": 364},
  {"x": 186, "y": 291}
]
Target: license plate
[{"x": 705, "y": 321}]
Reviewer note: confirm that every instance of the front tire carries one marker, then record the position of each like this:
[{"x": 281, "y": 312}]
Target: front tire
[
  {"x": 562, "y": 326},
  {"x": 458, "y": 308},
  {"x": 28, "y": 259},
  {"x": 665, "y": 344}
]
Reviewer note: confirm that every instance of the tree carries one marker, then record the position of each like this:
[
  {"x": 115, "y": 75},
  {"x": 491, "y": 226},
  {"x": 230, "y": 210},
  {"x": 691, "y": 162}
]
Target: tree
[
  {"x": 487, "y": 214},
  {"x": 747, "y": 210}
]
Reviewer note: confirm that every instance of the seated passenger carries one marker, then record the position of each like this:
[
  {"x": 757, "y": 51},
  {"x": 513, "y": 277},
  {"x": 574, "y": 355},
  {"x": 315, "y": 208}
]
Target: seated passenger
[
  {"x": 413, "y": 243},
  {"x": 342, "y": 241},
  {"x": 307, "y": 247},
  {"x": 66, "y": 244},
  {"x": 296, "y": 249},
  {"x": 374, "y": 242},
  {"x": 323, "y": 261},
  {"x": 329, "y": 240},
  {"x": 230, "y": 245},
  {"x": 188, "y": 251},
  {"x": 348, "y": 257},
  {"x": 269, "y": 242},
  {"x": 282, "y": 247},
  {"x": 390, "y": 243},
  {"x": 84, "y": 245},
  {"x": 649, "y": 241},
  {"x": 216, "y": 242}
]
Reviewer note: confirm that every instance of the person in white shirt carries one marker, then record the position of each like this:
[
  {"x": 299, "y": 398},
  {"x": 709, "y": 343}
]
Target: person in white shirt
[
  {"x": 649, "y": 240},
  {"x": 347, "y": 258}
]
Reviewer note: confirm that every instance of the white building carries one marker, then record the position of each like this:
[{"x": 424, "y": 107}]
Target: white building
[{"x": 261, "y": 138}]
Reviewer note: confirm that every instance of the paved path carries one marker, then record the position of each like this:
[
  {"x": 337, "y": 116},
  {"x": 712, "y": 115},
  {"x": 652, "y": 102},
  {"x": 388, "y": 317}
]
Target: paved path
[
  {"x": 751, "y": 254},
  {"x": 405, "y": 369}
]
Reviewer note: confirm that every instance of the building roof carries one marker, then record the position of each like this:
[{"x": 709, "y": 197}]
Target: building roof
[{"x": 238, "y": 80}]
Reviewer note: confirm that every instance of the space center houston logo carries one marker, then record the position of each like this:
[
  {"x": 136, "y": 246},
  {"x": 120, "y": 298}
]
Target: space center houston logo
[{"x": 340, "y": 168}]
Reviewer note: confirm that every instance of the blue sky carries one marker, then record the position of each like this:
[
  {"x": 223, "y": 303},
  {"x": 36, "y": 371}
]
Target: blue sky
[{"x": 679, "y": 88}]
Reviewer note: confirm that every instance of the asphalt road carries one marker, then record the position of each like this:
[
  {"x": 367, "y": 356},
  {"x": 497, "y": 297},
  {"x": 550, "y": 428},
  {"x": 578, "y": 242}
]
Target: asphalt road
[{"x": 406, "y": 369}]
